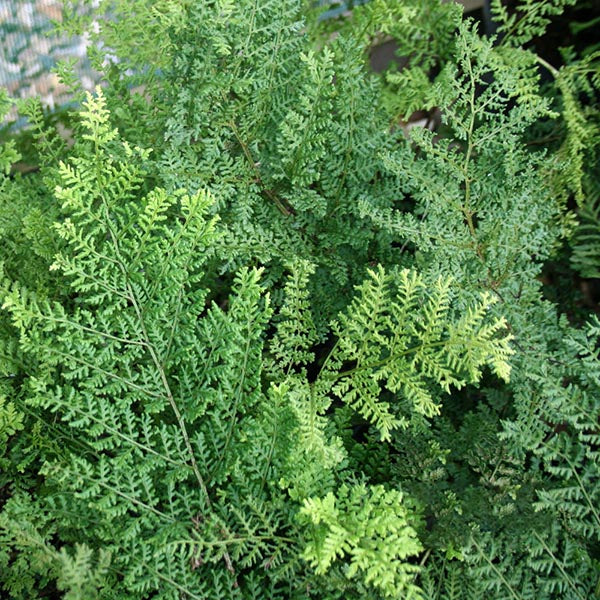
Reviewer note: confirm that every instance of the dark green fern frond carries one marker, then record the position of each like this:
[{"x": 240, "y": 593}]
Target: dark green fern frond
[
  {"x": 585, "y": 242},
  {"x": 525, "y": 19}
]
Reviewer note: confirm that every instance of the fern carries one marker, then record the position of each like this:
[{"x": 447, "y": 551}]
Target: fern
[
  {"x": 528, "y": 18},
  {"x": 145, "y": 353},
  {"x": 296, "y": 332},
  {"x": 424, "y": 34},
  {"x": 577, "y": 80},
  {"x": 11, "y": 421},
  {"x": 400, "y": 333},
  {"x": 372, "y": 527},
  {"x": 586, "y": 240},
  {"x": 8, "y": 152},
  {"x": 256, "y": 339}
]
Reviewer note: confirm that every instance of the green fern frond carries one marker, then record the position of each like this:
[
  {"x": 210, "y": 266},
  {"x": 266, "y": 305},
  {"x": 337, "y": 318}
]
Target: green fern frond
[
  {"x": 11, "y": 421},
  {"x": 369, "y": 526},
  {"x": 296, "y": 333},
  {"x": 8, "y": 149},
  {"x": 527, "y": 19},
  {"x": 399, "y": 333},
  {"x": 586, "y": 239},
  {"x": 130, "y": 380}
]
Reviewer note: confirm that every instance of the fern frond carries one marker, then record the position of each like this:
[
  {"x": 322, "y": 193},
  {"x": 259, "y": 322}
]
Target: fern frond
[
  {"x": 527, "y": 19},
  {"x": 372, "y": 528},
  {"x": 398, "y": 332},
  {"x": 586, "y": 240},
  {"x": 296, "y": 333}
]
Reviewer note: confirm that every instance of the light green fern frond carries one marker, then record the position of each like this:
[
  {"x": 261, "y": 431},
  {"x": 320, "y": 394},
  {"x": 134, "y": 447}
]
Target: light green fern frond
[
  {"x": 11, "y": 421},
  {"x": 373, "y": 529},
  {"x": 8, "y": 151},
  {"x": 400, "y": 334},
  {"x": 586, "y": 240},
  {"x": 319, "y": 453},
  {"x": 295, "y": 334}
]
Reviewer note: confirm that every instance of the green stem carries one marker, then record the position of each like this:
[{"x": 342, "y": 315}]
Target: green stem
[
  {"x": 383, "y": 362},
  {"x": 553, "y": 71},
  {"x": 560, "y": 567},
  {"x": 496, "y": 571}
]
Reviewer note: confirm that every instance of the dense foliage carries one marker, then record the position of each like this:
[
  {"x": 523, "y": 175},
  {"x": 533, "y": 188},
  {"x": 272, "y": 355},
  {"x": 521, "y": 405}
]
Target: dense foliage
[{"x": 261, "y": 339}]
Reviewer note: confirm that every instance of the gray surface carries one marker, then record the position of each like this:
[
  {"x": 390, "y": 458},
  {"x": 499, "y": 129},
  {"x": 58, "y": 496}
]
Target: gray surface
[{"x": 29, "y": 51}]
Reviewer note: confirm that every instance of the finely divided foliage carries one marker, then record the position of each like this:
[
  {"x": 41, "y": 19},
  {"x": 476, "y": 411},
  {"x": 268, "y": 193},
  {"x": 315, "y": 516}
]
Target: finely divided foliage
[{"x": 256, "y": 342}]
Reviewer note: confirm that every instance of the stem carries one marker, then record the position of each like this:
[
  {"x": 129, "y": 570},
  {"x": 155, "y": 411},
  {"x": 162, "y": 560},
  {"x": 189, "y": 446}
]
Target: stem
[
  {"x": 421, "y": 563},
  {"x": 497, "y": 571},
  {"x": 109, "y": 374},
  {"x": 185, "y": 592},
  {"x": 283, "y": 209},
  {"x": 553, "y": 71},
  {"x": 557, "y": 563},
  {"x": 466, "y": 209},
  {"x": 121, "y": 435},
  {"x": 91, "y": 330},
  {"x": 381, "y": 363}
]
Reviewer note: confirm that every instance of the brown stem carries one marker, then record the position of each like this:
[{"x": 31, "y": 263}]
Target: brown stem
[{"x": 283, "y": 208}]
